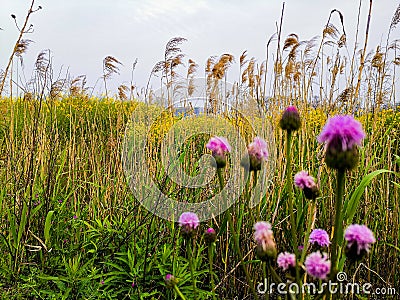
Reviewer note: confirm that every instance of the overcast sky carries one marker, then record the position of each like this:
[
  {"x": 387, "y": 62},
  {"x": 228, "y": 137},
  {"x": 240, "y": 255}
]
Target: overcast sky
[{"x": 80, "y": 33}]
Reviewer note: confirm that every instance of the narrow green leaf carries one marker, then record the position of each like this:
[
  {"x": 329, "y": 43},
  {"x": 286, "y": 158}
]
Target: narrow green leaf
[
  {"x": 22, "y": 224},
  {"x": 47, "y": 226}
]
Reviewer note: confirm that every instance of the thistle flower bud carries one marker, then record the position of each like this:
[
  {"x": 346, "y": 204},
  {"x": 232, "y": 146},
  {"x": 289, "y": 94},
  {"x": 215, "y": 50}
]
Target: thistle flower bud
[
  {"x": 170, "y": 281},
  {"x": 307, "y": 183},
  {"x": 219, "y": 147},
  {"x": 264, "y": 237},
  {"x": 312, "y": 193},
  {"x": 257, "y": 154},
  {"x": 210, "y": 236},
  {"x": 266, "y": 252},
  {"x": 290, "y": 120}
]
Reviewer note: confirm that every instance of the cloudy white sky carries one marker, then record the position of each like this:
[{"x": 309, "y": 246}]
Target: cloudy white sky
[{"x": 80, "y": 33}]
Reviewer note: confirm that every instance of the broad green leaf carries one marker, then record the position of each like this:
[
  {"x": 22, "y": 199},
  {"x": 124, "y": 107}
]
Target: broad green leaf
[{"x": 351, "y": 205}]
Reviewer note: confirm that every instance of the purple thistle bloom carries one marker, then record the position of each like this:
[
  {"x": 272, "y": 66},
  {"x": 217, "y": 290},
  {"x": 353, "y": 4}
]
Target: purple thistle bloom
[
  {"x": 189, "y": 219},
  {"x": 219, "y": 147},
  {"x": 342, "y": 134},
  {"x": 102, "y": 282},
  {"x": 320, "y": 237},
  {"x": 133, "y": 284},
  {"x": 258, "y": 149},
  {"x": 75, "y": 217},
  {"x": 286, "y": 260},
  {"x": 360, "y": 236},
  {"x": 303, "y": 180},
  {"x": 343, "y": 129},
  {"x": 264, "y": 237},
  {"x": 258, "y": 153},
  {"x": 306, "y": 183},
  {"x": 261, "y": 226},
  {"x": 189, "y": 222},
  {"x": 317, "y": 265}
]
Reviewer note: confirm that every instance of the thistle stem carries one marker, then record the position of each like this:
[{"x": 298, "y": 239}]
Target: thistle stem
[
  {"x": 192, "y": 269},
  {"x": 274, "y": 275},
  {"x": 210, "y": 261},
  {"x": 254, "y": 185},
  {"x": 236, "y": 239},
  {"x": 265, "y": 273},
  {"x": 338, "y": 230},
  {"x": 178, "y": 291},
  {"x": 293, "y": 222}
]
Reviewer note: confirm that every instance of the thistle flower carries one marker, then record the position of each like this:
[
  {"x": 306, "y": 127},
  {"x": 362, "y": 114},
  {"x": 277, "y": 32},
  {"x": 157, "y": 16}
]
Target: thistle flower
[
  {"x": 219, "y": 147},
  {"x": 359, "y": 240},
  {"x": 317, "y": 265},
  {"x": 264, "y": 237},
  {"x": 261, "y": 226},
  {"x": 290, "y": 119},
  {"x": 170, "y": 280},
  {"x": 306, "y": 183},
  {"x": 286, "y": 260},
  {"x": 320, "y": 237},
  {"x": 210, "y": 235},
  {"x": 189, "y": 222},
  {"x": 303, "y": 180},
  {"x": 257, "y": 151},
  {"x": 342, "y": 134}
]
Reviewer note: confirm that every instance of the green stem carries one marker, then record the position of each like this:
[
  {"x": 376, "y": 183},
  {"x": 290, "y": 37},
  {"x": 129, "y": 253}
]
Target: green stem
[
  {"x": 265, "y": 273},
  {"x": 254, "y": 186},
  {"x": 274, "y": 275},
  {"x": 192, "y": 269},
  {"x": 210, "y": 261},
  {"x": 289, "y": 179},
  {"x": 236, "y": 239},
  {"x": 338, "y": 230},
  {"x": 177, "y": 290}
]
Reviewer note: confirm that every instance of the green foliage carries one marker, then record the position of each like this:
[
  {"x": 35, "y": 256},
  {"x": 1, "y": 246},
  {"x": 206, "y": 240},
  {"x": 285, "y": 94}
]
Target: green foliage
[{"x": 70, "y": 229}]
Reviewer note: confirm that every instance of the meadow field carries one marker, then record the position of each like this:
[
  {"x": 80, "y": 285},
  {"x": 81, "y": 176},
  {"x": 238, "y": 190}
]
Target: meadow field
[{"x": 72, "y": 227}]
